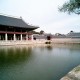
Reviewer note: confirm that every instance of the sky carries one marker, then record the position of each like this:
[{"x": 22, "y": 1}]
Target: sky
[{"x": 42, "y": 13}]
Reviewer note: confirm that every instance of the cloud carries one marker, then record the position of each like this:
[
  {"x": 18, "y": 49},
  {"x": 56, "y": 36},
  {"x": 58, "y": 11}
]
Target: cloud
[{"x": 43, "y": 13}]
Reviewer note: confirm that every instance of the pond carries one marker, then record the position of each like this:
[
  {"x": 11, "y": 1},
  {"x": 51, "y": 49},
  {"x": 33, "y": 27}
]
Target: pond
[{"x": 42, "y": 62}]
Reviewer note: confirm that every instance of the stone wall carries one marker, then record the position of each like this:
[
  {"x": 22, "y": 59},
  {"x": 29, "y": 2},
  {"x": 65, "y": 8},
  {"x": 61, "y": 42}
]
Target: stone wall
[{"x": 73, "y": 75}]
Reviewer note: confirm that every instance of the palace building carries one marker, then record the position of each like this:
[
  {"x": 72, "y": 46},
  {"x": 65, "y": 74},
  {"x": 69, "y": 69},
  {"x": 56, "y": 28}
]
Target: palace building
[{"x": 12, "y": 28}]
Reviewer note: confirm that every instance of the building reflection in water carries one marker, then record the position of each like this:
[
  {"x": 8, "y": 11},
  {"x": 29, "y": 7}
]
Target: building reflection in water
[{"x": 14, "y": 55}]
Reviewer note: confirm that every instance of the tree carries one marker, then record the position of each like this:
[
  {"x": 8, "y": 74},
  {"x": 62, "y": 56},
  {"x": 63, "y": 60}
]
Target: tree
[
  {"x": 34, "y": 32},
  {"x": 72, "y": 6},
  {"x": 71, "y": 31},
  {"x": 41, "y": 32}
]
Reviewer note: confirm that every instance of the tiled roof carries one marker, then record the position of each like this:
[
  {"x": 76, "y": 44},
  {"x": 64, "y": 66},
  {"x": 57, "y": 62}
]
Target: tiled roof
[
  {"x": 15, "y": 22},
  {"x": 75, "y": 35}
]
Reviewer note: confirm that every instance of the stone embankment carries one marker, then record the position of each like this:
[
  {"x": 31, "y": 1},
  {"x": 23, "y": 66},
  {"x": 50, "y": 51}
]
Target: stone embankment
[
  {"x": 42, "y": 41},
  {"x": 73, "y": 75},
  {"x": 23, "y": 42},
  {"x": 66, "y": 40}
]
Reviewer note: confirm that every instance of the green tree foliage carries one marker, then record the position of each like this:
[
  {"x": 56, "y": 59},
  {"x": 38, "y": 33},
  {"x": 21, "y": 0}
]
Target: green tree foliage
[
  {"x": 41, "y": 32},
  {"x": 72, "y": 6}
]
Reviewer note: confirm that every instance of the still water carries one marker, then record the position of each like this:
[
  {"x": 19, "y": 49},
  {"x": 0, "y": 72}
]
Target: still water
[{"x": 47, "y": 62}]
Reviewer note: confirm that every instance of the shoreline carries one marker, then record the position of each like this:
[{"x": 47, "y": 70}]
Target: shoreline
[{"x": 42, "y": 41}]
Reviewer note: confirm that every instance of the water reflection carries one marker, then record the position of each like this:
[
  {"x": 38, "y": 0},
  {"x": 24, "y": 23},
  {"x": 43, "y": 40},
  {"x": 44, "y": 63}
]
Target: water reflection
[
  {"x": 14, "y": 55},
  {"x": 49, "y": 47},
  {"x": 43, "y": 62}
]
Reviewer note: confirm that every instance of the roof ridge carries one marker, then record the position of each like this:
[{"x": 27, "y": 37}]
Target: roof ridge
[{"x": 10, "y": 16}]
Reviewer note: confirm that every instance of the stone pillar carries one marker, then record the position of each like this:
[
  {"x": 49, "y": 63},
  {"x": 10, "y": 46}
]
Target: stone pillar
[
  {"x": 26, "y": 37},
  {"x": 21, "y": 37},
  {"x": 14, "y": 37},
  {"x": 6, "y": 37},
  {"x": 32, "y": 37}
]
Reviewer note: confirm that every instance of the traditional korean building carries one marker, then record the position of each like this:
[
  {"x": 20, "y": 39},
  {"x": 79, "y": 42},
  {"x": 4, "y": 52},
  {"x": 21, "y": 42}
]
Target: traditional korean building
[
  {"x": 12, "y": 28},
  {"x": 73, "y": 35}
]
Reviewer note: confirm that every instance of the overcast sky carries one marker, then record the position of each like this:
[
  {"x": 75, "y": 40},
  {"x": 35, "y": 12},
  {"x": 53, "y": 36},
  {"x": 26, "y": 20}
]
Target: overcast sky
[{"x": 42, "y": 13}]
